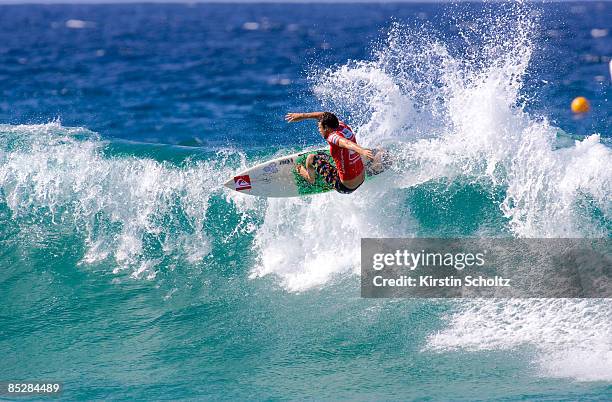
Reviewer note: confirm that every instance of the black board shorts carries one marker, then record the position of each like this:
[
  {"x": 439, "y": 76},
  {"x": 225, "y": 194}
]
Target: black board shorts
[{"x": 330, "y": 174}]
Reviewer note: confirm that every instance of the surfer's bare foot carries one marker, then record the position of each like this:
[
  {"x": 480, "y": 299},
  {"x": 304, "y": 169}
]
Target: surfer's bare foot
[{"x": 304, "y": 173}]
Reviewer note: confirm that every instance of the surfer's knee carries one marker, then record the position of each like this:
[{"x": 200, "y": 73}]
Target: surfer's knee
[{"x": 310, "y": 161}]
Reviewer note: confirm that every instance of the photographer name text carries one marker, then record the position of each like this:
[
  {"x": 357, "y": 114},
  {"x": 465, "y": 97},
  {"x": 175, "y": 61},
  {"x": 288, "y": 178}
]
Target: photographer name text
[{"x": 410, "y": 261}]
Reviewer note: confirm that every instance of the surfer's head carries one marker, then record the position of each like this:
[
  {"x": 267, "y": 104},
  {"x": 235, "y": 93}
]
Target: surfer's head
[{"x": 327, "y": 123}]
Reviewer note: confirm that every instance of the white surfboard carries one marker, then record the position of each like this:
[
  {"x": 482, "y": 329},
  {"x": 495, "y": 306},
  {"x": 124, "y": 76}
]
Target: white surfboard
[{"x": 279, "y": 178}]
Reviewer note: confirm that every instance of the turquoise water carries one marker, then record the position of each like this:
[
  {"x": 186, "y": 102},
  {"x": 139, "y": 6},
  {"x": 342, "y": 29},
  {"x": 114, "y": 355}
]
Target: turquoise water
[{"x": 129, "y": 272}]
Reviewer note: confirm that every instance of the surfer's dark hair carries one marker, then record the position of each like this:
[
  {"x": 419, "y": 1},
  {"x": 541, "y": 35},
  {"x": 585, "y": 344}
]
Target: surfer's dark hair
[{"x": 329, "y": 120}]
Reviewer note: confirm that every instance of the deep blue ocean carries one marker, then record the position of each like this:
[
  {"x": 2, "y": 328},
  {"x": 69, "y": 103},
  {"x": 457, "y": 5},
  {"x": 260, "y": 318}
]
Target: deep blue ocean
[{"x": 127, "y": 271}]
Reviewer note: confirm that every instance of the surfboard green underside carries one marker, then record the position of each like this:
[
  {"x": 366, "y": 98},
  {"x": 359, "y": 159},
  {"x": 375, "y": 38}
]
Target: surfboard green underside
[
  {"x": 320, "y": 185},
  {"x": 303, "y": 186}
]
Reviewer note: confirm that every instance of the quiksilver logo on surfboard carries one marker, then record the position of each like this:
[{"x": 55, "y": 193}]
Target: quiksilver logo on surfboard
[{"x": 242, "y": 182}]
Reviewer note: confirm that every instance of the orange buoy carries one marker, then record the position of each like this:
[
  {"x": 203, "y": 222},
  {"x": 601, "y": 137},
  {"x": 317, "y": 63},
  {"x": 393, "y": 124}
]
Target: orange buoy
[{"x": 580, "y": 105}]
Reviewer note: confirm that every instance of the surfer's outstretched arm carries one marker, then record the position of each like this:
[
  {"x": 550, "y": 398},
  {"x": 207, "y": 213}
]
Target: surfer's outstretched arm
[
  {"x": 344, "y": 143},
  {"x": 295, "y": 117}
]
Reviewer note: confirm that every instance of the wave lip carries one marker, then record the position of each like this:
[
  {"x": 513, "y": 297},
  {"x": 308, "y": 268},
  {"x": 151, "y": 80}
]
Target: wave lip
[{"x": 137, "y": 211}]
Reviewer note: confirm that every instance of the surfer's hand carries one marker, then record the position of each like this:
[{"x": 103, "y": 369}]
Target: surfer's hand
[
  {"x": 368, "y": 153},
  {"x": 294, "y": 117}
]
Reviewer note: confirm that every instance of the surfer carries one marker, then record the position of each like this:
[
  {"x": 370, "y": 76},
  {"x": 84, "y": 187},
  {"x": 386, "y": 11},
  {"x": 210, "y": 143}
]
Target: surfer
[{"x": 350, "y": 171}]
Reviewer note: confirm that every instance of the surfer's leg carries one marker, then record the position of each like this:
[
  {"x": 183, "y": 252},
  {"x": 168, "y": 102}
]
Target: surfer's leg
[
  {"x": 308, "y": 172},
  {"x": 302, "y": 171},
  {"x": 325, "y": 169},
  {"x": 310, "y": 168}
]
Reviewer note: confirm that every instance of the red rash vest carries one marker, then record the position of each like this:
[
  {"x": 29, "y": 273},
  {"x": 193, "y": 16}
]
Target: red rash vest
[{"x": 348, "y": 162}]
